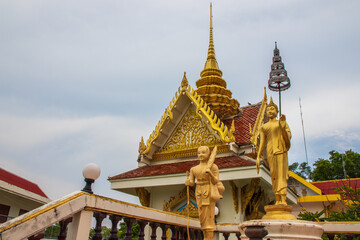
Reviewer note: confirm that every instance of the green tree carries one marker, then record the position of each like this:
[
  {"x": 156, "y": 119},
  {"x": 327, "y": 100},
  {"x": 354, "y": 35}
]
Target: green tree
[
  {"x": 309, "y": 216},
  {"x": 53, "y": 231},
  {"x": 105, "y": 231},
  {"x": 303, "y": 169},
  {"x": 333, "y": 168}
]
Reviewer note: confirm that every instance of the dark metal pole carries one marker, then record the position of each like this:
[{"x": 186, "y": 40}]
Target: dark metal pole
[{"x": 279, "y": 101}]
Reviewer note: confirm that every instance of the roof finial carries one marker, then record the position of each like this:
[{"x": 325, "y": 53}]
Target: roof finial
[
  {"x": 211, "y": 60},
  {"x": 184, "y": 82},
  {"x": 211, "y": 16}
]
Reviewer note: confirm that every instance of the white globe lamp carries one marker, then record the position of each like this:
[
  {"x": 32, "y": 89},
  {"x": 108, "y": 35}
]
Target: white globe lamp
[{"x": 91, "y": 172}]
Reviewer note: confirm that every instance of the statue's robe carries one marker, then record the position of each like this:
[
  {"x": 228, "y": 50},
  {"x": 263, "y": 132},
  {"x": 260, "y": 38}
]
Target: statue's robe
[
  {"x": 204, "y": 192},
  {"x": 276, "y": 152}
]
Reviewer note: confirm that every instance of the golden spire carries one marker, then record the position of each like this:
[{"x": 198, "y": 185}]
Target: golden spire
[
  {"x": 211, "y": 60},
  {"x": 212, "y": 87}
]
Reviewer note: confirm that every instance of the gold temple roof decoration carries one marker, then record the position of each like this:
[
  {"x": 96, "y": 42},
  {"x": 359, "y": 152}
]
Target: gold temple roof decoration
[
  {"x": 212, "y": 87},
  {"x": 184, "y": 82},
  {"x": 202, "y": 109},
  {"x": 258, "y": 123}
]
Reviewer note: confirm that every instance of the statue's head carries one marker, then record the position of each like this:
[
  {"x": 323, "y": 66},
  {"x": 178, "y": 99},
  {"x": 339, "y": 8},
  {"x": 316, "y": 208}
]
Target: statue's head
[
  {"x": 203, "y": 153},
  {"x": 272, "y": 109}
]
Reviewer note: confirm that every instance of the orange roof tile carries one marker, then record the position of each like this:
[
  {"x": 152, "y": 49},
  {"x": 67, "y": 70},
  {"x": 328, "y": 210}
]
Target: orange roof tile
[
  {"x": 248, "y": 114},
  {"x": 328, "y": 187},
  {"x": 180, "y": 167}
]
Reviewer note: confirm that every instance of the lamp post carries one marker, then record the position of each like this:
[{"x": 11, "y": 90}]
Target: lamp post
[{"x": 91, "y": 172}]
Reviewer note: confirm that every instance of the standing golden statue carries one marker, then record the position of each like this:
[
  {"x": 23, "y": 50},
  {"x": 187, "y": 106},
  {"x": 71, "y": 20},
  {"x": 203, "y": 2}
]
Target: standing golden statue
[
  {"x": 208, "y": 189},
  {"x": 275, "y": 135}
]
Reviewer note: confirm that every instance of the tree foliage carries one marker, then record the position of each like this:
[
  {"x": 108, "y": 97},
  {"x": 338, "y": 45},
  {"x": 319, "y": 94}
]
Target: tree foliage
[
  {"x": 310, "y": 216},
  {"x": 303, "y": 169},
  {"x": 53, "y": 231},
  {"x": 105, "y": 231},
  {"x": 333, "y": 168},
  {"x": 338, "y": 166}
]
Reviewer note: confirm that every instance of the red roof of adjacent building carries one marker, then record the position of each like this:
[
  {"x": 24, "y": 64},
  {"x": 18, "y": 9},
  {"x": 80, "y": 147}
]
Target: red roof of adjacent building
[
  {"x": 181, "y": 167},
  {"x": 20, "y": 182},
  {"x": 248, "y": 114},
  {"x": 328, "y": 187}
]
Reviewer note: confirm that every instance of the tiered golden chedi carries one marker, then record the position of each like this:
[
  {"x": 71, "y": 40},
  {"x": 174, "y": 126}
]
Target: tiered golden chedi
[{"x": 211, "y": 87}]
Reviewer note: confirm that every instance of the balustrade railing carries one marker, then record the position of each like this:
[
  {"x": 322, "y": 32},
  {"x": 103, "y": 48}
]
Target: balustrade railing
[{"x": 74, "y": 214}]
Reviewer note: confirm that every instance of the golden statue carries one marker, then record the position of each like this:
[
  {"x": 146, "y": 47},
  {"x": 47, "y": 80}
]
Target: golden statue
[
  {"x": 275, "y": 135},
  {"x": 208, "y": 189}
]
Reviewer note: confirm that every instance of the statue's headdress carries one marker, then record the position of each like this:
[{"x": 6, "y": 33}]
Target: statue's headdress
[{"x": 272, "y": 104}]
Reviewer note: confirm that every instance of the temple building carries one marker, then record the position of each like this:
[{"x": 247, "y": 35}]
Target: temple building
[
  {"x": 18, "y": 195},
  {"x": 207, "y": 115}
]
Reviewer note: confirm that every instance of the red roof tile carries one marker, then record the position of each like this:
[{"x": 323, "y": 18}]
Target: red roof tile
[
  {"x": 327, "y": 187},
  {"x": 180, "y": 167},
  {"x": 20, "y": 182},
  {"x": 248, "y": 114}
]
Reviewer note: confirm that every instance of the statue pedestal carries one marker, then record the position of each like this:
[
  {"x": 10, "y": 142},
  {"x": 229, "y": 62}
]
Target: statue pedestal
[
  {"x": 281, "y": 224},
  {"x": 285, "y": 229},
  {"x": 279, "y": 211}
]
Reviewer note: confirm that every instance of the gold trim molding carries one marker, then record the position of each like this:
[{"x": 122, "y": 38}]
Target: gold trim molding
[
  {"x": 202, "y": 109},
  {"x": 173, "y": 201},
  {"x": 186, "y": 153}
]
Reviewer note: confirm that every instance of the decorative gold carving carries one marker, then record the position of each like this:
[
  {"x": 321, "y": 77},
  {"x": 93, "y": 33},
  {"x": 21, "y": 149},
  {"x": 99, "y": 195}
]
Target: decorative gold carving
[
  {"x": 144, "y": 196},
  {"x": 232, "y": 128},
  {"x": 254, "y": 133},
  {"x": 235, "y": 195},
  {"x": 184, "y": 153},
  {"x": 193, "y": 211},
  {"x": 142, "y": 145},
  {"x": 184, "y": 82},
  {"x": 174, "y": 201},
  {"x": 202, "y": 109},
  {"x": 191, "y": 133},
  {"x": 247, "y": 192},
  {"x": 328, "y": 208},
  {"x": 251, "y": 197},
  {"x": 252, "y": 211}
]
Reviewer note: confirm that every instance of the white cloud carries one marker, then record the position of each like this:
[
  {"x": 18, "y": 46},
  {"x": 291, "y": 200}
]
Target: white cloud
[
  {"x": 54, "y": 151},
  {"x": 327, "y": 112}
]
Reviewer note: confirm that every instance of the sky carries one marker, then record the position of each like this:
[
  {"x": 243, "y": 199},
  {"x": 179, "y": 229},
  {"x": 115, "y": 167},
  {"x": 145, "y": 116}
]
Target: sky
[{"x": 82, "y": 81}]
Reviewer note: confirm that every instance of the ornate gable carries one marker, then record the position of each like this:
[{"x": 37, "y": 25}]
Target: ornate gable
[
  {"x": 191, "y": 133},
  {"x": 187, "y": 123}
]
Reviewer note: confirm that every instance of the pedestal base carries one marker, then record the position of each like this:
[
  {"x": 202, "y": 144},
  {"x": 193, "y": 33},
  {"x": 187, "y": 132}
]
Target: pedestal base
[
  {"x": 279, "y": 211},
  {"x": 286, "y": 229}
]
